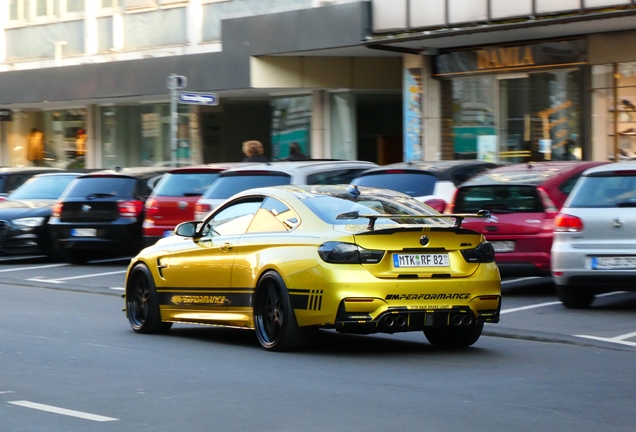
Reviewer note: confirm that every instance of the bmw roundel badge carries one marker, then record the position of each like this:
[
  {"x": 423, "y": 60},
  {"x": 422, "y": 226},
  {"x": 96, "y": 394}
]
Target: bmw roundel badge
[{"x": 424, "y": 240}]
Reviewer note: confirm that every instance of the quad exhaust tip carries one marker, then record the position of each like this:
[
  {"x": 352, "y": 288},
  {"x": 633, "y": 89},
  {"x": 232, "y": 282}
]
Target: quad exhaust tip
[{"x": 462, "y": 319}]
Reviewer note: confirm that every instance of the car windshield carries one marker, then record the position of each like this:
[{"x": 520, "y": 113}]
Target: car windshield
[
  {"x": 226, "y": 186},
  {"x": 498, "y": 199},
  {"x": 101, "y": 186},
  {"x": 328, "y": 207},
  {"x": 609, "y": 190},
  {"x": 186, "y": 184},
  {"x": 42, "y": 188},
  {"x": 410, "y": 183}
]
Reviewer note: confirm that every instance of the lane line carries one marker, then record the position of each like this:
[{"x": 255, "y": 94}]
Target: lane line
[
  {"x": 520, "y": 279},
  {"x": 117, "y": 288},
  {"x": 33, "y": 268},
  {"x": 61, "y": 280},
  {"x": 540, "y": 305},
  {"x": 611, "y": 340},
  {"x": 63, "y": 411},
  {"x": 625, "y": 336}
]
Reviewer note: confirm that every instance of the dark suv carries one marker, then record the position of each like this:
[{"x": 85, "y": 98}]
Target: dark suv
[{"x": 102, "y": 212}]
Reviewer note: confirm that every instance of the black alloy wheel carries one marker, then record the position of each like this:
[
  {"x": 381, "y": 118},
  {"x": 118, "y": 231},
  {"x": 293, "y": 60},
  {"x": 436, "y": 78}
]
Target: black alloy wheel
[
  {"x": 142, "y": 306},
  {"x": 448, "y": 337},
  {"x": 274, "y": 318}
]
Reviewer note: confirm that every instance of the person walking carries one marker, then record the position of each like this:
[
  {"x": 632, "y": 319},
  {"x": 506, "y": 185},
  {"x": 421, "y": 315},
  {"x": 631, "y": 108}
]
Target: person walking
[
  {"x": 254, "y": 152},
  {"x": 295, "y": 153}
]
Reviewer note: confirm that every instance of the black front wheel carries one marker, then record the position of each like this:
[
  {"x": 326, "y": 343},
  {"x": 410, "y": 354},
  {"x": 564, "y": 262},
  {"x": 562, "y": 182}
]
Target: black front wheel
[
  {"x": 142, "y": 306},
  {"x": 453, "y": 337},
  {"x": 274, "y": 318}
]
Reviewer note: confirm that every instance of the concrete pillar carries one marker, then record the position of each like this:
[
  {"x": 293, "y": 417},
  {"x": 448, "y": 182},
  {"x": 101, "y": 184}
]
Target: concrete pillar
[{"x": 320, "y": 147}]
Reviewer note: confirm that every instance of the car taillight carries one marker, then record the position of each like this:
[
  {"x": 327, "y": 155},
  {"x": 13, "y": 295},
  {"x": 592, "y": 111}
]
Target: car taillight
[
  {"x": 152, "y": 208},
  {"x": 548, "y": 204},
  {"x": 348, "y": 253},
  {"x": 202, "y": 208},
  {"x": 484, "y": 253},
  {"x": 450, "y": 208},
  {"x": 131, "y": 208},
  {"x": 56, "y": 211},
  {"x": 567, "y": 223}
]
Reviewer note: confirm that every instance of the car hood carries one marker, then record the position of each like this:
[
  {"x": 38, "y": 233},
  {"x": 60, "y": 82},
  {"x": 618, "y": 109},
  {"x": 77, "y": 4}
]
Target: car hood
[{"x": 17, "y": 208}]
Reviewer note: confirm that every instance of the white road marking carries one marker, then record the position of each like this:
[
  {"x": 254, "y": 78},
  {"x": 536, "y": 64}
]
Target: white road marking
[
  {"x": 61, "y": 280},
  {"x": 117, "y": 288},
  {"x": 63, "y": 411},
  {"x": 32, "y": 268},
  {"x": 507, "y": 281},
  {"x": 7, "y": 392},
  {"x": 615, "y": 340},
  {"x": 540, "y": 305}
]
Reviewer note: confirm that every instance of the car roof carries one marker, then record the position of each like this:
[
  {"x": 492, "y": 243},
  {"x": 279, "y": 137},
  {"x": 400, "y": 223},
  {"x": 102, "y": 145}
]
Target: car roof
[
  {"x": 614, "y": 166},
  {"x": 531, "y": 173},
  {"x": 10, "y": 170},
  {"x": 296, "y": 168},
  {"x": 136, "y": 172},
  {"x": 58, "y": 174},
  {"x": 441, "y": 169},
  {"x": 211, "y": 167}
]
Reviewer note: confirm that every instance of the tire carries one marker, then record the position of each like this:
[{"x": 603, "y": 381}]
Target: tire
[
  {"x": 274, "y": 318},
  {"x": 574, "y": 297},
  {"x": 142, "y": 306},
  {"x": 453, "y": 337},
  {"x": 74, "y": 256}
]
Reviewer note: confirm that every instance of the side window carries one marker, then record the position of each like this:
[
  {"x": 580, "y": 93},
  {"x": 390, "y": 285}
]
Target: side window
[
  {"x": 567, "y": 186},
  {"x": 16, "y": 180},
  {"x": 274, "y": 216},
  {"x": 233, "y": 219}
]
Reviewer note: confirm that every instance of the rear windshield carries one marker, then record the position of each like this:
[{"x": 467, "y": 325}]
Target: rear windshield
[
  {"x": 498, "y": 199},
  {"x": 340, "y": 176},
  {"x": 328, "y": 207},
  {"x": 226, "y": 186},
  {"x": 410, "y": 183},
  {"x": 42, "y": 188},
  {"x": 605, "y": 191},
  {"x": 186, "y": 184},
  {"x": 101, "y": 187}
]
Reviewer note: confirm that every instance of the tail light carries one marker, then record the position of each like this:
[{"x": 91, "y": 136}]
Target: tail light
[
  {"x": 131, "y": 208},
  {"x": 450, "y": 208},
  {"x": 484, "y": 253},
  {"x": 202, "y": 208},
  {"x": 152, "y": 208},
  {"x": 56, "y": 211},
  {"x": 348, "y": 253},
  {"x": 436, "y": 204},
  {"x": 567, "y": 223},
  {"x": 548, "y": 204}
]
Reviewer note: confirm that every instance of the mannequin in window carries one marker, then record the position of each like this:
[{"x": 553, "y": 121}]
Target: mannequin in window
[
  {"x": 80, "y": 143},
  {"x": 35, "y": 150}
]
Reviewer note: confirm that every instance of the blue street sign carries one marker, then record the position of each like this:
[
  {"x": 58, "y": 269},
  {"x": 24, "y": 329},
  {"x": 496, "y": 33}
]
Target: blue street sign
[{"x": 198, "y": 98}]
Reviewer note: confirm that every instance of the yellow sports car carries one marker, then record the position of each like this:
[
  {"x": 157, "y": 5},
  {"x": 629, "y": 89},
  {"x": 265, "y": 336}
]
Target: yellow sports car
[{"x": 289, "y": 260}]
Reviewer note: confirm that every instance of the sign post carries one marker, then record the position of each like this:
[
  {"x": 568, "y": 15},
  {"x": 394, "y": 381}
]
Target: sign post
[{"x": 174, "y": 82}]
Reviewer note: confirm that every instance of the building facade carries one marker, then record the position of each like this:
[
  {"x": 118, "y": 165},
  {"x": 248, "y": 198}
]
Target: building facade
[{"x": 88, "y": 79}]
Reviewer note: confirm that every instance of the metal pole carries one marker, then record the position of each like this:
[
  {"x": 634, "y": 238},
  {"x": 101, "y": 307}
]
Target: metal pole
[
  {"x": 615, "y": 85},
  {"x": 174, "y": 83}
]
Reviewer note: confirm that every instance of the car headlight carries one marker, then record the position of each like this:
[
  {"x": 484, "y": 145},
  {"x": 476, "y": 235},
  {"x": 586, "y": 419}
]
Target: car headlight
[
  {"x": 29, "y": 222},
  {"x": 348, "y": 253}
]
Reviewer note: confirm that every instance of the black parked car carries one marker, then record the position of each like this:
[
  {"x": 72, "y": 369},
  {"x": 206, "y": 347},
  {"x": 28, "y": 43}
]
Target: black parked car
[
  {"x": 25, "y": 213},
  {"x": 12, "y": 177},
  {"x": 102, "y": 213}
]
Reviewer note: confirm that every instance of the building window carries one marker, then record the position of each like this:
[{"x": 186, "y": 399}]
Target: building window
[
  {"x": 74, "y": 6},
  {"x": 16, "y": 10},
  {"x": 41, "y": 9},
  {"x": 109, "y": 4}
]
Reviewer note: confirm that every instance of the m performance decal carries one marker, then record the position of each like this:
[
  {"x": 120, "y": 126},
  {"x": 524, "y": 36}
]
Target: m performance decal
[{"x": 462, "y": 296}]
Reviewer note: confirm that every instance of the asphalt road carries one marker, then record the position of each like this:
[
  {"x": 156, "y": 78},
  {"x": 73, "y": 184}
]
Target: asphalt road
[{"x": 70, "y": 363}]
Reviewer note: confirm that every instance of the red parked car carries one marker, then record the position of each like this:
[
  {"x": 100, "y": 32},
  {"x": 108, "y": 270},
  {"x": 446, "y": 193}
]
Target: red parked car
[
  {"x": 172, "y": 200},
  {"x": 523, "y": 200}
]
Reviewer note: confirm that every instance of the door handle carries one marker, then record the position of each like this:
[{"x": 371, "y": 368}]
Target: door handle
[{"x": 226, "y": 247}]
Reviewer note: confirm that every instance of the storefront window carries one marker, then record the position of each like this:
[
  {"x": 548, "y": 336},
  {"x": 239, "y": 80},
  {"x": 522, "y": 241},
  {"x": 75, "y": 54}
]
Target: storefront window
[
  {"x": 142, "y": 136},
  {"x": 291, "y": 122},
  {"x": 614, "y": 124}
]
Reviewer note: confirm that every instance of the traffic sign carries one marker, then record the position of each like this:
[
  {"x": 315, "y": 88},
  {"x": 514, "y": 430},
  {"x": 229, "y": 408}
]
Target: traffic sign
[
  {"x": 198, "y": 98},
  {"x": 6, "y": 115}
]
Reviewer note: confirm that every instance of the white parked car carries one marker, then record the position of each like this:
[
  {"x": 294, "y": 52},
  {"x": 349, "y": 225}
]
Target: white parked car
[
  {"x": 594, "y": 248},
  {"x": 308, "y": 172}
]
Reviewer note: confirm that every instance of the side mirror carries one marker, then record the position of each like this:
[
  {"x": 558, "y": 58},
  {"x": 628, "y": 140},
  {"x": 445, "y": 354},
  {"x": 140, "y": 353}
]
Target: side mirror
[
  {"x": 436, "y": 204},
  {"x": 187, "y": 229}
]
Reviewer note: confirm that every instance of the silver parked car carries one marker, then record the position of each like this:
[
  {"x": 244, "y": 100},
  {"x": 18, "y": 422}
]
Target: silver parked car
[{"x": 594, "y": 248}]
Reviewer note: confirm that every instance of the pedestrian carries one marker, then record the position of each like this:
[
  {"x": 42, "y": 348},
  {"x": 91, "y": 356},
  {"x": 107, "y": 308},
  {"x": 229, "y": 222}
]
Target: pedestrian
[
  {"x": 35, "y": 149},
  {"x": 295, "y": 153},
  {"x": 254, "y": 151}
]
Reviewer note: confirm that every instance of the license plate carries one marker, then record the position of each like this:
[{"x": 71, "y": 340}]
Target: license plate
[
  {"x": 420, "y": 260},
  {"x": 84, "y": 232},
  {"x": 503, "y": 246},
  {"x": 613, "y": 263}
]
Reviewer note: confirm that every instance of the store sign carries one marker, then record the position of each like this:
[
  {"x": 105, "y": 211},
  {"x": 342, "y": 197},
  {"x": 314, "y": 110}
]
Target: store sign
[
  {"x": 511, "y": 58},
  {"x": 6, "y": 115}
]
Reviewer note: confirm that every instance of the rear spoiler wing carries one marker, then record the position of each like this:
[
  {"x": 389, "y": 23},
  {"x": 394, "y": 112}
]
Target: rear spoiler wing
[{"x": 459, "y": 217}]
